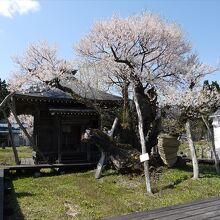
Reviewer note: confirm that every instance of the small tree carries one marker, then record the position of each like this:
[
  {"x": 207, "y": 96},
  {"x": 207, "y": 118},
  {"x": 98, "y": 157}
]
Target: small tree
[
  {"x": 3, "y": 93},
  {"x": 193, "y": 99},
  {"x": 212, "y": 88}
]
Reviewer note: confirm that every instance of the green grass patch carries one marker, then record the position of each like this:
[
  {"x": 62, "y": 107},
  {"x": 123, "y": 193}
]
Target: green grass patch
[
  {"x": 202, "y": 149},
  {"x": 54, "y": 196},
  {"x": 7, "y": 156}
]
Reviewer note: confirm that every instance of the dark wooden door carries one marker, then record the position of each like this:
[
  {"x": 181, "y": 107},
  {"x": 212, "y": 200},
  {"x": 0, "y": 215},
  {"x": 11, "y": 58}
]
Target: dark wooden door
[
  {"x": 71, "y": 147},
  {"x": 70, "y": 138}
]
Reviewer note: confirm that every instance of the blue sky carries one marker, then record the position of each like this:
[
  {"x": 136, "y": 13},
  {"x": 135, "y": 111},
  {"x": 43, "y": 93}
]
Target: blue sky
[{"x": 63, "y": 22}]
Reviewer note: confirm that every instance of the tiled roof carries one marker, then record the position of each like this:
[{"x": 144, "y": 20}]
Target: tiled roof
[{"x": 78, "y": 88}]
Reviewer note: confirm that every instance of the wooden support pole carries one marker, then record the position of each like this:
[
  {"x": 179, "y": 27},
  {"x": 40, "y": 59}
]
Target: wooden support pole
[
  {"x": 100, "y": 165},
  {"x": 11, "y": 138},
  {"x": 114, "y": 125},
  {"x": 5, "y": 101}
]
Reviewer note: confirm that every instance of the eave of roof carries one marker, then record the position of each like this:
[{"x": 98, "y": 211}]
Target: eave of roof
[
  {"x": 79, "y": 88},
  {"x": 62, "y": 111},
  {"x": 60, "y": 96}
]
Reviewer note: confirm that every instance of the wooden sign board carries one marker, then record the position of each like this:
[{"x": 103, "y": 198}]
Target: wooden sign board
[{"x": 144, "y": 157}]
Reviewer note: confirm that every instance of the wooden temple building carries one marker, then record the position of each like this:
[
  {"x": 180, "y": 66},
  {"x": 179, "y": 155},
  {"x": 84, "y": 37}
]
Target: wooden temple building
[{"x": 60, "y": 121}]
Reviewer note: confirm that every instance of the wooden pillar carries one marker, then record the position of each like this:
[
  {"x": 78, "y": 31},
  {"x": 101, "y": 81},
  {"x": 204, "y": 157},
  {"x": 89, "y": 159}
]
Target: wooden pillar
[
  {"x": 11, "y": 136},
  {"x": 36, "y": 126},
  {"x": 88, "y": 150},
  {"x": 58, "y": 128},
  {"x": 12, "y": 108}
]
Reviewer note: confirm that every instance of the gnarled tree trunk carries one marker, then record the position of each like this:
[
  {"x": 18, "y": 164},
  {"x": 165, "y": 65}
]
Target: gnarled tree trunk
[
  {"x": 125, "y": 112},
  {"x": 124, "y": 158}
]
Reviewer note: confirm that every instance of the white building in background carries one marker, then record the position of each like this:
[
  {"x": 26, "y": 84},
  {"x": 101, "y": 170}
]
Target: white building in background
[
  {"x": 19, "y": 139},
  {"x": 216, "y": 129}
]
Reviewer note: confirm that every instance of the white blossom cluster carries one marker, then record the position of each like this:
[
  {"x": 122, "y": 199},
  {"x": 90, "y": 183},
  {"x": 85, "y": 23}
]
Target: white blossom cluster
[
  {"x": 190, "y": 95},
  {"x": 38, "y": 65},
  {"x": 143, "y": 46},
  {"x": 150, "y": 45}
]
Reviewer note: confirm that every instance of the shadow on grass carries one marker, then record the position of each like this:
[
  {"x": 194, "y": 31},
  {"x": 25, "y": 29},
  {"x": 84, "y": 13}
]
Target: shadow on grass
[
  {"x": 175, "y": 183},
  {"x": 23, "y": 194},
  {"x": 110, "y": 172},
  {"x": 205, "y": 170},
  {"x": 171, "y": 185},
  {"x": 46, "y": 172},
  {"x": 208, "y": 171},
  {"x": 187, "y": 168},
  {"x": 13, "y": 210}
]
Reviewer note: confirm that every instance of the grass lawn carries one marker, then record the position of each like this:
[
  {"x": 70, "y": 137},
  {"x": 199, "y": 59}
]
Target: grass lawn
[
  {"x": 7, "y": 156},
  {"x": 202, "y": 149},
  {"x": 54, "y": 196}
]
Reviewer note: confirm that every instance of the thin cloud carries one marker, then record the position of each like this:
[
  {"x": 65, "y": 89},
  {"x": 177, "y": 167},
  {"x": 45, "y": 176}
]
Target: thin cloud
[{"x": 9, "y": 8}]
